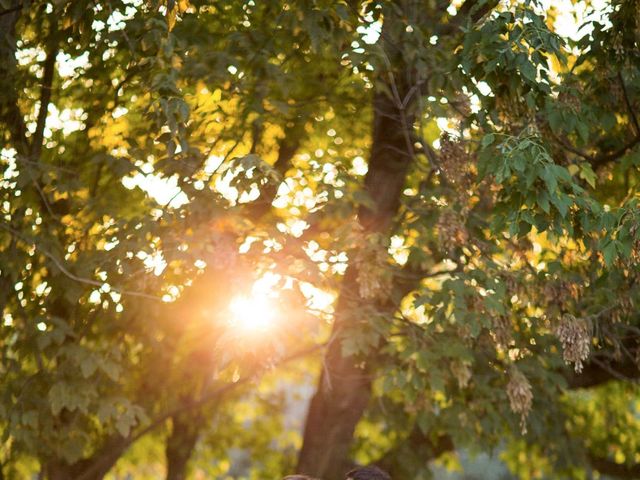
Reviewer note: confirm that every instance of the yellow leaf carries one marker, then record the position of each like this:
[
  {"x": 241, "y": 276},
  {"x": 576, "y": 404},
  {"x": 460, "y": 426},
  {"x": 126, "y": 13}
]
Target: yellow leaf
[{"x": 171, "y": 18}]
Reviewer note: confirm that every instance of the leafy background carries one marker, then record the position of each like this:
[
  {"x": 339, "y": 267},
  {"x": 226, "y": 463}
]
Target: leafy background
[{"x": 163, "y": 158}]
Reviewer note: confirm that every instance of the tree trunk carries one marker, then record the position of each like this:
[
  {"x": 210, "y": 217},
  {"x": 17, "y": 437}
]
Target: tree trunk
[
  {"x": 180, "y": 445},
  {"x": 10, "y": 113},
  {"x": 94, "y": 468},
  {"x": 342, "y": 395},
  {"x": 344, "y": 389},
  {"x": 56, "y": 471}
]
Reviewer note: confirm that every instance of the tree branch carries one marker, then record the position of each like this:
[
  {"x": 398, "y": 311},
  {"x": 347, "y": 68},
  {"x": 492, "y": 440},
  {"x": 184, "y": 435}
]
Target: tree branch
[
  {"x": 471, "y": 10},
  {"x": 597, "y": 160},
  {"x": 10, "y": 113},
  {"x": 113, "y": 450},
  {"x": 11, "y": 10},
  {"x": 286, "y": 151},
  {"x": 45, "y": 98},
  {"x": 632, "y": 113},
  {"x": 609, "y": 467},
  {"x": 598, "y": 372},
  {"x": 60, "y": 265},
  {"x": 609, "y": 157}
]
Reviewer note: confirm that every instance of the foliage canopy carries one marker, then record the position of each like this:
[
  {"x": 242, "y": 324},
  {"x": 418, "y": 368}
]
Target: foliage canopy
[{"x": 438, "y": 201}]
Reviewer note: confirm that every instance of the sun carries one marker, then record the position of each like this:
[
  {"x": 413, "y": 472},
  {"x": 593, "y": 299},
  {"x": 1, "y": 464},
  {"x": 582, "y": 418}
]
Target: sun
[{"x": 254, "y": 313}]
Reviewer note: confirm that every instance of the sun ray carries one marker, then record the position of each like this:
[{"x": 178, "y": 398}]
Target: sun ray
[{"x": 253, "y": 313}]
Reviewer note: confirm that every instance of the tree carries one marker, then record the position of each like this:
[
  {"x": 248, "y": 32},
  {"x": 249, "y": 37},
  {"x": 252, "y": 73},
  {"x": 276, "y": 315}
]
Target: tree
[{"x": 460, "y": 177}]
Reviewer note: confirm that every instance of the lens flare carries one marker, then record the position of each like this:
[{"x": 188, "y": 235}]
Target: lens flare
[{"x": 253, "y": 313}]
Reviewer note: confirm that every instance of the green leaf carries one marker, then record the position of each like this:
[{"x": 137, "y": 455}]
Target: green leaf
[
  {"x": 59, "y": 397},
  {"x": 88, "y": 366},
  {"x": 587, "y": 174},
  {"x": 609, "y": 253},
  {"x": 528, "y": 71},
  {"x": 562, "y": 202},
  {"x": 547, "y": 174},
  {"x": 583, "y": 131},
  {"x": 555, "y": 121},
  {"x": 543, "y": 200},
  {"x": 111, "y": 368},
  {"x": 487, "y": 140},
  {"x": 124, "y": 423}
]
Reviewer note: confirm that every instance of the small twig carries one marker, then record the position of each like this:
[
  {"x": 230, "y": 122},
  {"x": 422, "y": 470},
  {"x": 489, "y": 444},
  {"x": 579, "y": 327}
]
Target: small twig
[
  {"x": 570, "y": 148},
  {"x": 12, "y": 9},
  {"x": 602, "y": 159},
  {"x": 45, "y": 98},
  {"x": 58, "y": 263},
  {"x": 628, "y": 103},
  {"x": 599, "y": 160}
]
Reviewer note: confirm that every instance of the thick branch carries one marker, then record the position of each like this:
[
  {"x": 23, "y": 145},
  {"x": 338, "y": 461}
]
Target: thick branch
[
  {"x": 596, "y": 160},
  {"x": 476, "y": 10},
  {"x": 470, "y": 10},
  {"x": 11, "y": 10},
  {"x": 286, "y": 151},
  {"x": 600, "y": 160},
  {"x": 609, "y": 467},
  {"x": 116, "y": 447},
  {"x": 596, "y": 373}
]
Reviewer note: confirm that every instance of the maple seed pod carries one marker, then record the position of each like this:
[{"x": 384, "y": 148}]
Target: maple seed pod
[
  {"x": 520, "y": 396},
  {"x": 626, "y": 305},
  {"x": 570, "y": 101},
  {"x": 461, "y": 372},
  {"x": 617, "y": 94},
  {"x": 502, "y": 331},
  {"x": 451, "y": 230},
  {"x": 456, "y": 163},
  {"x": 635, "y": 249},
  {"x": 575, "y": 336},
  {"x": 512, "y": 284},
  {"x": 372, "y": 278},
  {"x": 462, "y": 104}
]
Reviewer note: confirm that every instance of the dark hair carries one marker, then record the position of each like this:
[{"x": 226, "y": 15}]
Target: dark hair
[{"x": 368, "y": 473}]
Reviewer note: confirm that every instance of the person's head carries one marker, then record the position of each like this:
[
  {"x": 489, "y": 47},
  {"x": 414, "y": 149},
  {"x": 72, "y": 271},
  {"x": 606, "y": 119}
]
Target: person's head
[{"x": 368, "y": 473}]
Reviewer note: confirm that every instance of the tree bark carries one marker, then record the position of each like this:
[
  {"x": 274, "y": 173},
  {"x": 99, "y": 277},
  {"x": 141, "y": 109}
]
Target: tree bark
[
  {"x": 10, "y": 113},
  {"x": 92, "y": 468},
  {"x": 344, "y": 388},
  {"x": 180, "y": 444},
  {"x": 342, "y": 395}
]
